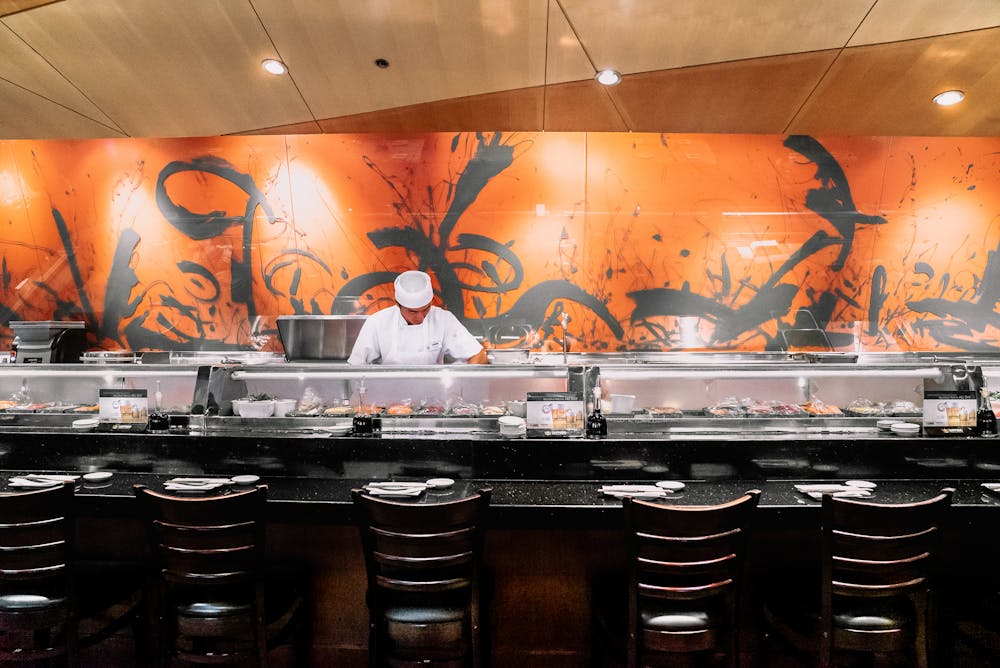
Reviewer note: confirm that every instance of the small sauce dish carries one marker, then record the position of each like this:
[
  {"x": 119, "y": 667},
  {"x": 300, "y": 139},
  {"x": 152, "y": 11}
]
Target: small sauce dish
[{"x": 245, "y": 479}]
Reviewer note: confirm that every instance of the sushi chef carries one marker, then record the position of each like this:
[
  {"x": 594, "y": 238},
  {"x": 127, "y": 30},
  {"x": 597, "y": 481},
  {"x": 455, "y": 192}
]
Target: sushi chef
[{"x": 413, "y": 331}]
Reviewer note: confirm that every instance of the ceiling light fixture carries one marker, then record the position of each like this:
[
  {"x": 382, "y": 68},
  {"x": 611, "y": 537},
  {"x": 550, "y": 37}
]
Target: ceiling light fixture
[
  {"x": 608, "y": 77},
  {"x": 949, "y": 97},
  {"x": 273, "y": 66}
]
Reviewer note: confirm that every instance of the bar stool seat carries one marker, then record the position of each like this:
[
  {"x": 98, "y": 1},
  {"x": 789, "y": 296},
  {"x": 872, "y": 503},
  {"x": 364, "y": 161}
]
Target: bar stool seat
[
  {"x": 29, "y": 602},
  {"x": 677, "y": 620},
  {"x": 422, "y": 615},
  {"x": 213, "y": 609}
]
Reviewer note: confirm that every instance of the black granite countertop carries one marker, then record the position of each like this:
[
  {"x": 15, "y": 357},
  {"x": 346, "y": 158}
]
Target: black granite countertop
[{"x": 536, "y": 482}]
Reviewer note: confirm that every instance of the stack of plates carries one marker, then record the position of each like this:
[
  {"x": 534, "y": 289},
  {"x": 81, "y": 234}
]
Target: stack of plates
[
  {"x": 512, "y": 426},
  {"x": 657, "y": 491},
  {"x": 851, "y": 489},
  {"x": 397, "y": 489},
  {"x": 196, "y": 485},
  {"x": 40, "y": 480}
]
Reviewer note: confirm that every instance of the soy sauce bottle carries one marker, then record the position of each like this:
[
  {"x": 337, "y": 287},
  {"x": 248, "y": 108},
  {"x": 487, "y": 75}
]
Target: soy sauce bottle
[
  {"x": 159, "y": 421},
  {"x": 597, "y": 424},
  {"x": 362, "y": 423},
  {"x": 986, "y": 419}
]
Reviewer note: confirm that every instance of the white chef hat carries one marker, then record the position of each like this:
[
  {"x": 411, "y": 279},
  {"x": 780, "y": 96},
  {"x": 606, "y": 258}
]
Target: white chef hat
[{"x": 414, "y": 289}]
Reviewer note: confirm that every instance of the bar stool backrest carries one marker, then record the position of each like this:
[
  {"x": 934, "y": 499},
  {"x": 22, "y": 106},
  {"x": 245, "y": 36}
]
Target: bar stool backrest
[
  {"x": 422, "y": 560},
  {"x": 36, "y": 586},
  {"x": 685, "y": 568},
  {"x": 207, "y": 556},
  {"x": 873, "y": 557}
]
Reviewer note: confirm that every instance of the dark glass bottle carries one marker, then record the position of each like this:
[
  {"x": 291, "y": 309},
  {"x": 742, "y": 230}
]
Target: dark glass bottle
[
  {"x": 986, "y": 419},
  {"x": 159, "y": 421},
  {"x": 363, "y": 423},
  {"x": 597, "y": 424}
]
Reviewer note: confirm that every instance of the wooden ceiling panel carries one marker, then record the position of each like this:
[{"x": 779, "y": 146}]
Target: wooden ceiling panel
[
  {"x": 23, "y": 67},
  {"x": 307, "y": 128},
  {"x": 565, "y": 59},
  {"x": 436, "y": 50},
  {"x": 25, "y": 115},
  {"x": 748, "y": 96},
  {"x": 896, "y": 20},
  {"x": 581, "y": 106},
  {"x": 648, "y": 35},
  {"x": 14, "y": 6},
  {"x": 176, "y": 68},
  {"x": 509, "y": 110},
  {"x": 887, "y": 89}
]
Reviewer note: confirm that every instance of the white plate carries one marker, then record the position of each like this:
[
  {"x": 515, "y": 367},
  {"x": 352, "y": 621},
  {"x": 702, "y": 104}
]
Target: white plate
[
  {"x": 821, "y": 487},
  {"x": 191, "y": 488},
  {"x": 85, "y": 423},
  {"x": 440, "y": 482},
  {"x": 860, "y": 484},
  {"x": 377, "y": 491},
  {"x": 846, "y": 494},
  {"x": 25, "y": 482},
  {"x": 397, "y": 484},
  {"x": 245, "y": 479},
  {"x": 337, "y": 429},
  {"x": 97, "y": 476},
  {"x": 631, "y": 488},
  {"x": 658, "y": 494},
  {"x": 58, "y": 477},
  {"x": 672, "y": 485}
]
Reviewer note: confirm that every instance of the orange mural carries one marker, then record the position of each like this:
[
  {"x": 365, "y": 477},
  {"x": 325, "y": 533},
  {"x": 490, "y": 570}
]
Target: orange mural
[{"x": 644, "y": 241}]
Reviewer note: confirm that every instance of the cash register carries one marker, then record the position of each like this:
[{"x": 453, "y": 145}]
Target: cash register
[{"x": 48, "y": 341}]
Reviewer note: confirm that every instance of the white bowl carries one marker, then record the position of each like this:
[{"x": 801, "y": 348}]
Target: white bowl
[
  {"x": 283, "y": 407},
  {"x": 247, "y": 408}
]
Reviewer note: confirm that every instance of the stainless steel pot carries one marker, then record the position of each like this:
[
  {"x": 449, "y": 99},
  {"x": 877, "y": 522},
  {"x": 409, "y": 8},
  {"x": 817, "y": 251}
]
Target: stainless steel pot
[{"x": 319, "y": 337}]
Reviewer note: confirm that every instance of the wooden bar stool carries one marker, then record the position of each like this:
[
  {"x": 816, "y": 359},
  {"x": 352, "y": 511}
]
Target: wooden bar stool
[
  {"x": 423, "y": 563},
  {"x": 45, "y": 591},
  {"x": 877, "y": 587},
  {"x": 207, "y": 585},
  {"x": 685, "y": 575}
]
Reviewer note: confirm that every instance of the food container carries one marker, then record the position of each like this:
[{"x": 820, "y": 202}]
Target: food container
[
  {"x": 319, "y": 337},
  {"x": 283, "y": 407},
  {"x": 622, "y": 403},
  {"x": 248, "y": 408},
  {"x": 508, "y": 355}
]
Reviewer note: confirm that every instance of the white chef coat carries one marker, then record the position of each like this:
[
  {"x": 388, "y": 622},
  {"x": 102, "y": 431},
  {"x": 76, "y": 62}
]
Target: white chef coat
[{"x": 386, "y": 338}]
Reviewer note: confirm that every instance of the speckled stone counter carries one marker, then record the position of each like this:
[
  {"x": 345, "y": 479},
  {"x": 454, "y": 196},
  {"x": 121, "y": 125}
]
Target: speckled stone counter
[{"x": 536, "y": 482}]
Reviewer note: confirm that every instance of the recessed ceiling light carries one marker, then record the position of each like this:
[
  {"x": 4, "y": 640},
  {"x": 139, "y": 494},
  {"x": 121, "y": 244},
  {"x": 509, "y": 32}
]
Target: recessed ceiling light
[
  {"x": 608, "y": 77},
  {"x": 949, "y": 97},
  {"x": 273, "y": 66}
]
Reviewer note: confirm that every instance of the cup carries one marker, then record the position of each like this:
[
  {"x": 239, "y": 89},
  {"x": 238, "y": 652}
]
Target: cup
[{"x": 622, "y": 403}]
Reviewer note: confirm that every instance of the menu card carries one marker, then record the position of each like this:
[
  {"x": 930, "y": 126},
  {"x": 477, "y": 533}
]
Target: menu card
[
  {"x": 554, "y": 413},
  {"x": 123, "y": 406}
]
